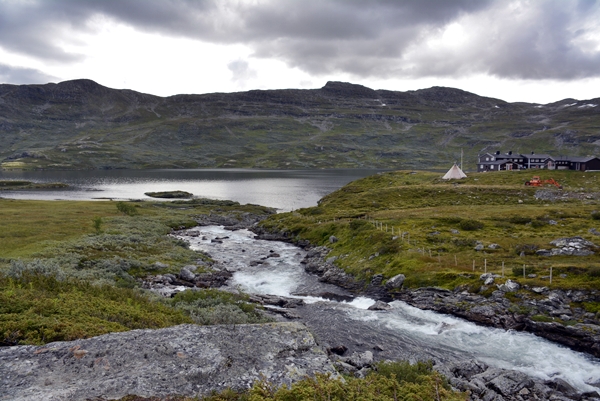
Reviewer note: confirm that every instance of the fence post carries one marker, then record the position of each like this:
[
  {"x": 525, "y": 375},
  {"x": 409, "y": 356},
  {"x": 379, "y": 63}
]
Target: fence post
[
  {"x": 523, "y": 271},
  {"x": 485, "y": 265},
  {"x": 473, "y": 264},
  {"x": 502, "y": 268},
  {"x": 550, "y": 274}
]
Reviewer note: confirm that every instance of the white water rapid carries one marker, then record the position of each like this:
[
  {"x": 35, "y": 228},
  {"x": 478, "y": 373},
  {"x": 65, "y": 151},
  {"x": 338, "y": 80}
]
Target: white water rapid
[{"x": 404, "y": 332}]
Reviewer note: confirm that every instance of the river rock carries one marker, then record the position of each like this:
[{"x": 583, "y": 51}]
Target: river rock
[
  {"x": 186, "y": 275},
  {"x": 360, "y": 359},
  {"x": 396, "y": 282},
  {"x": 186, "y": 360},
  {"x": 379, "y": 305}
]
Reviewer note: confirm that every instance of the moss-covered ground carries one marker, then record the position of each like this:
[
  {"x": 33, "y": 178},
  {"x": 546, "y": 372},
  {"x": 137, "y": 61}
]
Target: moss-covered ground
[{"x": 427, "y": 228}]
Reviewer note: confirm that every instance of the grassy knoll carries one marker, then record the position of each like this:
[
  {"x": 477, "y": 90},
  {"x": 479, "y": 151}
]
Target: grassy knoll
[
  {"x": 427, "y": 228},
  {"x": 69, "y": 269}
]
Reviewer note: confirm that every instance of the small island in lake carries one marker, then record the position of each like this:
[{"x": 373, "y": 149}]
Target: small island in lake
[
  {"x": 170, "y": 195},
  {"x": 14, "y": 184}
]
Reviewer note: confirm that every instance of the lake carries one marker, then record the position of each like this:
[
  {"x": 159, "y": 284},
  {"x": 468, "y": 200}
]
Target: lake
[{"x": 284, "y": 190}]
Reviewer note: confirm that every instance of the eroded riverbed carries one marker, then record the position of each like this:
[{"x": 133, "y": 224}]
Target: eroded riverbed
[{"x": 402, "y": 332}]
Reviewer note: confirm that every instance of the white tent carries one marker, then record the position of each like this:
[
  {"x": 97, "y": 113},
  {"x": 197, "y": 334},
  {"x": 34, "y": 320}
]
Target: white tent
[{"x": 455, "y": 173}]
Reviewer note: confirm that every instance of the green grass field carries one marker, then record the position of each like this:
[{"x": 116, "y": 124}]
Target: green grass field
[{"x": 427, "y": 228}]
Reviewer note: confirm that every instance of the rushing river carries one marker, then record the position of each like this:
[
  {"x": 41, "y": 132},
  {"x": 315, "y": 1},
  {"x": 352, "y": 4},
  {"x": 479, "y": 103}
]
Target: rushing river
[
  {"x": 404, "y": 332},
  {"x": 284, "y": 190}
]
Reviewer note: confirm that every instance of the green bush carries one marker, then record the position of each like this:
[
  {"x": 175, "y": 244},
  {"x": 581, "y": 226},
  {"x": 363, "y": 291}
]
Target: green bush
[
  {"x": 470, "y": 225},
  {"x": 596, "y": 215},
  {"x": 97, "y": 221},
  {"x": 127, "y": 208}
]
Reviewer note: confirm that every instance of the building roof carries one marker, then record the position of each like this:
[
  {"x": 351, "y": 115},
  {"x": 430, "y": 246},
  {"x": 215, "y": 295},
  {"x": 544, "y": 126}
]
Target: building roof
[{"x": 537, "y": 156}]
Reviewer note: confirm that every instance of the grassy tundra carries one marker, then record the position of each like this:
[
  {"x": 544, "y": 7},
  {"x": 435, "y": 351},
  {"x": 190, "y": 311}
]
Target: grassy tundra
[
  {"x": 427, "y": 228},
  {"x": 69, "y": 269}
]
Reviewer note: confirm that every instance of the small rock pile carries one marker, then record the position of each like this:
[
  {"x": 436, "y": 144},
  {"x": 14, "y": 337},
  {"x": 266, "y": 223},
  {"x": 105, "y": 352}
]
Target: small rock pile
[{"x": 572, "y": 246}]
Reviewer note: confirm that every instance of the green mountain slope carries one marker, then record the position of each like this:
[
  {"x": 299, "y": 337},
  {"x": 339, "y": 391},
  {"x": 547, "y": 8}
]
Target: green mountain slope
[{"x": 80, "y": 124}]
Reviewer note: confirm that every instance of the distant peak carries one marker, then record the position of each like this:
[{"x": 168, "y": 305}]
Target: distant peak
[{"x": 347, "y": 89}]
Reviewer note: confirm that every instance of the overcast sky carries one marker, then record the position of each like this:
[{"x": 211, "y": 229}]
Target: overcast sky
[{"x": 536, "y": 51}]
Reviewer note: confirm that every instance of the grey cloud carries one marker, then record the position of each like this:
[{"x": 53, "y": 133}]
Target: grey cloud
[
  {"x": 19, "y": 75},
  {"x": 383, "y": 38}
]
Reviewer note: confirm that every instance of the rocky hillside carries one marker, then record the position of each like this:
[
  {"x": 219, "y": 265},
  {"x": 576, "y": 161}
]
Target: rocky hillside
[{"x": 80, "y": 125}]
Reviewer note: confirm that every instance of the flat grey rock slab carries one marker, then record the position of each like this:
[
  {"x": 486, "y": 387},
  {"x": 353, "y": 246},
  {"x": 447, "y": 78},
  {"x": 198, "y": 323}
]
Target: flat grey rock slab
[{"x": 184, "y": 360}]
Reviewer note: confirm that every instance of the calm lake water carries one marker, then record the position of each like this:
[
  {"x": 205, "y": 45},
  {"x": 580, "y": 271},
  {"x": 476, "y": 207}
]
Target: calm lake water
[{"x": 282, "y": 189}]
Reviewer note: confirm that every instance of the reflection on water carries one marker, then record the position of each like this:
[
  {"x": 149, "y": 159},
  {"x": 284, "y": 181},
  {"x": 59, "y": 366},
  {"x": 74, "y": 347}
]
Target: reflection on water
[{"x": 282, "y": 189}]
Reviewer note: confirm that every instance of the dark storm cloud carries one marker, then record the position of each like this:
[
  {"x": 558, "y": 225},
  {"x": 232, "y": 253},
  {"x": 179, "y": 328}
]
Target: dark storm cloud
[
  {"x": 16, "y": 75},
  {"x": 386, "y": 38}
]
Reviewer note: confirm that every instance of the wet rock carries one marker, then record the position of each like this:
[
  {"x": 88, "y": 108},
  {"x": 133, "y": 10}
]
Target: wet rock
[
  {"x": 333, "y": 239},
  {"x": 187, "y": 360},
  {"x": 379, "y": 305},
  {"x": 377, "y": 279},
  {"x": 468, "y": 369},
  {"x": 396, "y": 282},
  {"x": 234, "y": 221}
]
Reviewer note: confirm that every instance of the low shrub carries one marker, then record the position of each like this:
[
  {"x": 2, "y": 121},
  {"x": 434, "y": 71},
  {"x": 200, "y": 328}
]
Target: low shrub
[
  {"x": 596, "y": 215},
  {"x": 37, "y": 308},
  {"x": 519, "y": 220},
  {"x": 127, "y": 208},
  {"x": 470, "y": 225},
  {"x": 212, "y": 306}
]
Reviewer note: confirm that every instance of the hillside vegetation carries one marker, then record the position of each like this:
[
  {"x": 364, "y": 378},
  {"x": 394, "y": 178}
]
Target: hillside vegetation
[
  {"x": 447, "y": 233},
  {"x": 82, "y": 125}
]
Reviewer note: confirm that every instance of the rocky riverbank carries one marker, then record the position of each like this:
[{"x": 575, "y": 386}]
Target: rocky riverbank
[
  {"x": 503, "y": 309},
  {"x": 185, "y": 360},
  {"x": 552, "y": 314}
]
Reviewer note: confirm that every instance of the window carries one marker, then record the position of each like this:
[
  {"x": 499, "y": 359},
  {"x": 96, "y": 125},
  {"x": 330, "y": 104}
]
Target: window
[
  {"x": 487, "y": 159},
  {"x": 491, "y": 167}
]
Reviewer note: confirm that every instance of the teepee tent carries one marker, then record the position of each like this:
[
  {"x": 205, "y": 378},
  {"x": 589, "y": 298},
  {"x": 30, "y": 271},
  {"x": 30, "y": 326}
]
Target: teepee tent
[{"x": 455, "y": 173}]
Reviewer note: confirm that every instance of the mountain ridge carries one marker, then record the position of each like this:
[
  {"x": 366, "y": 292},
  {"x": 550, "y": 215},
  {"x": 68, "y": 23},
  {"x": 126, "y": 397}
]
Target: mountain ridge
[{"x": 81, "y": 124}]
